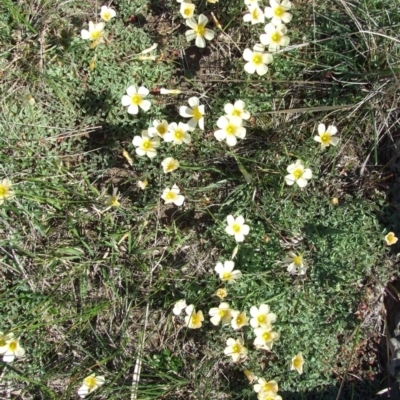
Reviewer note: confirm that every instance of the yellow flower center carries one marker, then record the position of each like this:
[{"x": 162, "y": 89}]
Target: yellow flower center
[
  {"x": 161, "y": 130},
  {"x": 187, "y": 11},
  {"x": 236, "y": 228},
  {"x": 276, "y": 37},
  {"x": 95, "y": 35},
  {"x": 197, "y": 115},
  {"x": 255, "y": 14},
  {"x": 221, "y": 293},
  {"x": 257, "y": 59},
  {"x": 226, "y": 276},
  {"x": 297, "y": 173},
  {"x": 136, "y": 99},
  {"x": 236, "y": 348},
  {"x": 279, "y": 11},
  {"x": 170, "y": 196},
  {"x": 325, "y": 138},
  {"x": 146, "y": 144},
  {"x": 195, "y": 319},
  {"x": 239, "y": 320},
  {"x": 269, "y": 387},
  {"x": 230, "y": 129},
  {"x": 297, "y": 363},
  {"x": 170, "y": 166},
  {"x": 222, "y": 313},
  {"x": 298, "y": 260},
  {"x": 236, "y": 112},
  {"x": 200, "y": 30},
  {"x": 266, "y": 336},
  {"x": 3, "y": 190},
  {"x": 12, "y": 346},
  {"x": 261, "y": 319},
  {"x": 90, "y": 382},
  {"x": 114, "y": 201},
  {"x": 106, "y": 15},
  {"x": 179, "y": 134}
]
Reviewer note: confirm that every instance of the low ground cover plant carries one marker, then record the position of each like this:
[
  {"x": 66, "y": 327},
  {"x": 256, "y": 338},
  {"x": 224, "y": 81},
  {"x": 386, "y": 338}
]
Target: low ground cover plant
[{"x": 192, "y": 197}]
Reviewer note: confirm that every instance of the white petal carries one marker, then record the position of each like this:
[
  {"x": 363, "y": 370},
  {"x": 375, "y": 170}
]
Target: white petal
[
  {"x": 203, "y": 20},
  {"x": 241, "y": 132},
  {"x": 287, "y": 17},
  {"x": 200, "y": 42},
  {"x": 332, "y": 130},
  {"x": 179, "y": 201},
  {"x": 222, "y": 122},
  {"x": 201, "y": 124},
  {"x": 302, "y": 182},
  {"x": 262, "y": 69},
  {"x": 219, "y": 268},
  {"x": 133, "y": 109},
  {"x": 185, "y": 112},
  {"x": 191, "y": 23},
  {"x": 230, "y": 219},
  {"x": 334, "y": 141},
  {"x": 269, "y": 12},
  {"x": 151, "y": 153},
  {"x": 145, "y": 105},
  {"x": 8, "y": 356},
  {"x": 250, "y": 68},
  {"x": 307, "y": 174},
  {"x": 229, "y": 265},
  {"x": 220, "y": 135},
  {"x": 20, "y": 352},
  {"x": 239, "y": 237},
  {"x": 194, "y": 102},
  {"x": 245, "y": 229},
  {"x": 264, "y": 39},
  {"x": 289, "y": 180},
  {"x": 321, "y": 129},
  {"x": 126, "y": 100},
  {"x": 247, "y": 54},
  {"x": 85, "y": 34},
  {"x": 140, "y": 152},
  {"x": 83, "y": 391},
  {"x": 317, "y": 139},
  {"x": 231, "y": 140},
  {"x": 190, "y": 35},
  {"x": 209, "y": 34},
  {"x": 143, "y": 91},
  {"x": 132, "y": 90}
]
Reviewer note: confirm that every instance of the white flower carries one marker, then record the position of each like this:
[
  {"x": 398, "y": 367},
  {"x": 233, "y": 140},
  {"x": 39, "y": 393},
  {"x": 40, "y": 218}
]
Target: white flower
[
  {"x": 230, "y": 129},
  {"x": 278, "y": 11},
  {"x": 274, "y": 37},
  {"x": 262, "y": 317},
  {"x": 222, "y": 314},
  {"x": 298, "y": 174},
  {"x": 255, "y": 15},
  {"x": 326, "y": 136},
  {"x": 296, "y": 265},
  {"x": 235, "y": 349},
  {"x": 179, "y": 306},
  {"x": 6, "y": 191},
  {"x": 194, "y": 319},
  {"x": 135, "y": 99},
  {"x": 170, "y": 91},
  {"x": 266, "y": 389},
  {"x": 297, "y": 363},
  {"x": 95, "y": 31},
  {"x": 172, "y": 196},
  {"x": 142, "y": 184},
  {"x": 169, "y": 164},
  {"x": 265, "y": 338},
  {"x": 106, "y": 13},
  {"x": 256, "y": 61},
  {"x": 113, "y": 200},
  {"x": 146, "y": 145},
  {"x": 237, "y": 110},
  {"x": 239, "y": 319},
  {"x": 11, "y": 348},
  {"x": 199, "y": 31},
  {"x": 195, "y": 113},
  {"x": 187, "y": 10},
  {"x": 90, "y": 384},
  {"x": 226, "y": 272},
  {"x": 177, "y": 133},
  {"x": 236, "y": 227},
  {"x": 159, "y": 128}
]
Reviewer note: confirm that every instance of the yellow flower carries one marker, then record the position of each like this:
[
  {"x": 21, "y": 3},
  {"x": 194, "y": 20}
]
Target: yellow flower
[
  {"x": 187, "y": 10},
  {"x": 221, "y": 314},
  {"x": 255, "y": 15},
  {"x": 235, "y": 349},
  {"x": 326, "y": 136},
  {"x": 142, "y": 184},
  {"x": 113, "y": 199},
  {"x": 221, "y": 293},
  {"x": 390, "y": 238},
  {"x": 193, "y": 319},
  {"x": 90, "y": 384},
  {"x": 11, "y": 349},
  {"x": 265, "y": 338},
  {"x": 169, "y": 164},
  {"x": 262, "y": 317},
  {"x": 5, "y": 190},
  {"x": 226, "y": 272},
  {"x": 107, "y": 13},
  {"x": 269, "y": 388},
  {"x": 297, "y": 363},
  {"x": 95, "y": 32},
  {"x": 239, "y": 320}
]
